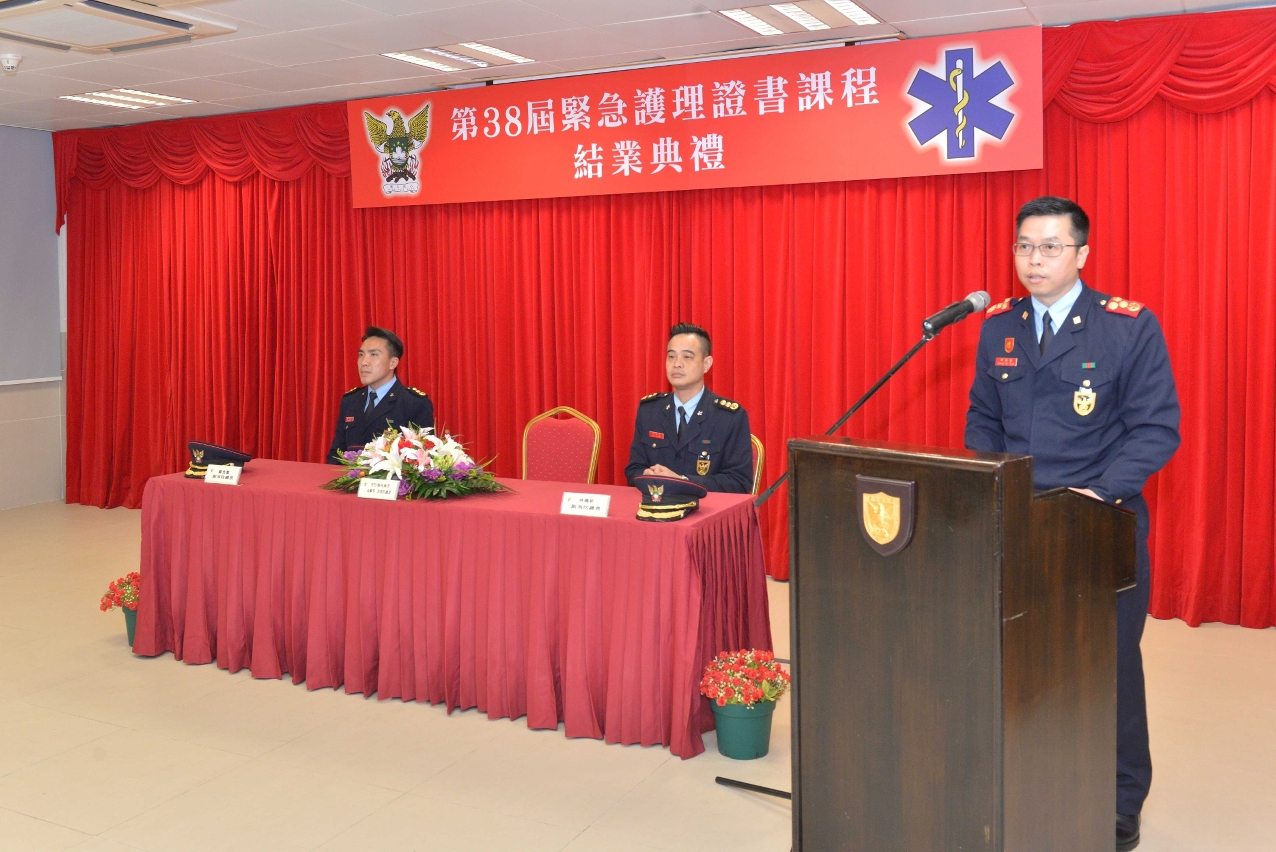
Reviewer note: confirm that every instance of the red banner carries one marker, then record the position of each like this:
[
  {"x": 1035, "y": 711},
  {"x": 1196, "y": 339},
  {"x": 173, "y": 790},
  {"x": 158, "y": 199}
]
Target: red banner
[{"x": 968, "y": 103}]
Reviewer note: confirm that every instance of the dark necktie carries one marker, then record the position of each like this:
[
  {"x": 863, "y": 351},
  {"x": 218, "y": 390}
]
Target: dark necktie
[
  {"x": 368, "y": 406},
  {"x": 1047, "y": 333},
  {"x": 682, "y": 420}
]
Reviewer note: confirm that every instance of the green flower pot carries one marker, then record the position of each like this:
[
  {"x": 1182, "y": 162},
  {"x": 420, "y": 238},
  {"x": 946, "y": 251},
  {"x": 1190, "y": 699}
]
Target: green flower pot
[
  {"x": 130, "y": 623},
  {"x": 744, "y": 733}
]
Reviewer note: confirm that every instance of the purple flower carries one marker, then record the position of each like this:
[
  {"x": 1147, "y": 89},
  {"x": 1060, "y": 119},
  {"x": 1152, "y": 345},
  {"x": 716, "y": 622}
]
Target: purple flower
[
  {"x": 463, "y": 467},
  {"x": 456, "y": 474},
  {"x": 351, "y": 455},
  {"x": 404, "y": 487},
  {"x": 432, "y": 475}
]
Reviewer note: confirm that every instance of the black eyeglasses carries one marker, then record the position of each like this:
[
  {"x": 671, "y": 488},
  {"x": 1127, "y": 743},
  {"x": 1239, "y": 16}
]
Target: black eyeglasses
[{"x": 1047, "y": 249}]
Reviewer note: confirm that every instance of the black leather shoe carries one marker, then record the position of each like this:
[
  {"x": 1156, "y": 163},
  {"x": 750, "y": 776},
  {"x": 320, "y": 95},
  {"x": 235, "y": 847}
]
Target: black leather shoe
[{"x": 1127, "y": 832}]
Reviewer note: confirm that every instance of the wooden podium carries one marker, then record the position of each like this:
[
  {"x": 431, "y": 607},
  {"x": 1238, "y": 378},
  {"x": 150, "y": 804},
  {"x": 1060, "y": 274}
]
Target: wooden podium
[{"x": 960, "y": 693}]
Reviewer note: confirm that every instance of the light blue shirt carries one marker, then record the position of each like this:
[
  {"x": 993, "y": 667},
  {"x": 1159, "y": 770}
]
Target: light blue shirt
[
  {"x": 379, "y": 393},
  {"x": 1058, "y": 311},
  {"x": 689, "y": 406}
]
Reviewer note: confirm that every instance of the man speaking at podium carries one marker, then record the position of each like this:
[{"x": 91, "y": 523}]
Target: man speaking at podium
[{"x": 1081, "y": 381}]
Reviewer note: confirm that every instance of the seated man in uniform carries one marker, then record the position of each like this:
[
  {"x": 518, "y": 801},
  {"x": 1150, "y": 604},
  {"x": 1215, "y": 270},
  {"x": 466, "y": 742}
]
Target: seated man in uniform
[
  {"x": 381, "y": 402},
  {"x": 692, "y": 433}
]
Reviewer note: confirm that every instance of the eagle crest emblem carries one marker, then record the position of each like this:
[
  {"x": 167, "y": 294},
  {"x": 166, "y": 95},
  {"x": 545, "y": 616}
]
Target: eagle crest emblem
[
  {"x": 398, "y": 144},
  {"x": 657, "y": 492}
]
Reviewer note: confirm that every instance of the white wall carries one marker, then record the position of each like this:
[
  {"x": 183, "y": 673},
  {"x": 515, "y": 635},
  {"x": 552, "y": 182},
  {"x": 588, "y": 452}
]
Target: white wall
[{"x": 32, "y": 323}]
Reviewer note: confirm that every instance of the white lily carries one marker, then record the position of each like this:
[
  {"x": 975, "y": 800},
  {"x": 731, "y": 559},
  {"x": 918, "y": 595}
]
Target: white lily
[{"x": 390, "y": 461}]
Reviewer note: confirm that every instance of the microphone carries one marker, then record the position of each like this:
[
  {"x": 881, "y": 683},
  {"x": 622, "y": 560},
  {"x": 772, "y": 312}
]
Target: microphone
[
  {"x": 956, "y": 312},
  {"x": 931, "y": 326}
]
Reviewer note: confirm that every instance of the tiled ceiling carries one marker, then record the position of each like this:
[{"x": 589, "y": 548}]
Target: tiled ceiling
[{"x": 287, "y": 52}]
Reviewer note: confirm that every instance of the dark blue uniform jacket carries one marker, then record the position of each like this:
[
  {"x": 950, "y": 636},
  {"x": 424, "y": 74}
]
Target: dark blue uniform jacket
[
  {"x": 716, "y": 439},
  {"x": 400, "y": 406},
  {"x": 1030, "y": 404}
]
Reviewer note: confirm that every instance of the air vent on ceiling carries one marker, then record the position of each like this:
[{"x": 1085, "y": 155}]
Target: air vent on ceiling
[{"x": 100, "y": 26}]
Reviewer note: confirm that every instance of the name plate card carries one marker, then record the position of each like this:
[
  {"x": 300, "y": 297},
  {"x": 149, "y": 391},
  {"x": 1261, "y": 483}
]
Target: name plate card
[
  {"x": 223, "y": 474},
  {"x": 590, "y": 505},
  {"x": 379, "y": 489}
]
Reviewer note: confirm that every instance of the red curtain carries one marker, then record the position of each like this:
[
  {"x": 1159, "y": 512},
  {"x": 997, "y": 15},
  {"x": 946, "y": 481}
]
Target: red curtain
[{"x": 218, "y": 280}]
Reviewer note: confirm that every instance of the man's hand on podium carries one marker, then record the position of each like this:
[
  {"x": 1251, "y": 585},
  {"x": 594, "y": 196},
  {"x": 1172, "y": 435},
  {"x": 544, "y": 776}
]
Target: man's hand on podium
[{"x": 1087, "y": 492}]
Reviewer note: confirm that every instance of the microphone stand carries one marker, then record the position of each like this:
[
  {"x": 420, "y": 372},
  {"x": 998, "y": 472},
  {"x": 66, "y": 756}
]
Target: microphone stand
[{"x": 927, "y": 337}]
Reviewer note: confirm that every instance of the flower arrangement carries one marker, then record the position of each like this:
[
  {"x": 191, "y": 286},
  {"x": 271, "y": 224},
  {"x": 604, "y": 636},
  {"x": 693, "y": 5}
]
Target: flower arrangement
[
  {"x": 122, "y": 593},
  {"x": 744, "y": 677},
  {"x": 427, "y": 466}
]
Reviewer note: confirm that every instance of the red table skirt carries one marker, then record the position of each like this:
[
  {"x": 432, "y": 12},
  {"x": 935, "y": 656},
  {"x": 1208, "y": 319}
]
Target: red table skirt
[{"x": 494, "y": 601}]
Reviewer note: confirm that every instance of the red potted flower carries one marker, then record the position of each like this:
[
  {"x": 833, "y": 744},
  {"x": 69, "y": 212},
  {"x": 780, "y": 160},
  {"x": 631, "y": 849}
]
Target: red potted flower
[
  {"x": 744, "y": 686},
  {"x": 123, "y": 594}
]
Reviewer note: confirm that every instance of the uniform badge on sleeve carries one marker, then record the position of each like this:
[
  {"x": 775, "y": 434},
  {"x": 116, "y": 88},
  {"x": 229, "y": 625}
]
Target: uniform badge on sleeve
[{"x": 1083, "y": 401}]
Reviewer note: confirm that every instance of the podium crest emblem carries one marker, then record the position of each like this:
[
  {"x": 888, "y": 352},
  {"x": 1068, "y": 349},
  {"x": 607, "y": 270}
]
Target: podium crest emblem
[{"x": 887, "y": 512}]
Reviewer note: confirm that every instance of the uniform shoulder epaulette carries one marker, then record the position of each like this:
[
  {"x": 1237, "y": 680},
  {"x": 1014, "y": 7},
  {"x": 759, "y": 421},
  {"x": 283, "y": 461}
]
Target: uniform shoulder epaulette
[
  {"x": 1001, "y": 307},
  {"x": 727, "y": 404},
  {"x": 353, "y": 390},
  {"x": 418, "y": 392},
  {"x": 1122, "y": 307},
  {"x": 651, "y": 396}
]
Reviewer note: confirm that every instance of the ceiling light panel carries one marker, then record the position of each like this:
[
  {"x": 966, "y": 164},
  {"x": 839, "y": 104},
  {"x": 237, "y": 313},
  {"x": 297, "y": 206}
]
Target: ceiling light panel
[
  {"x": 853, "y": 12},
  {"x": 751, "y": 21},
  {"x": 85, "y": 99},
  {"x": 801, "y": 16},
  {"x": 127, "y": 99},
  {"x": 456, "y": 57},
  {"x": 422, "y": 61},
  {"x": 494, "y": 52}
]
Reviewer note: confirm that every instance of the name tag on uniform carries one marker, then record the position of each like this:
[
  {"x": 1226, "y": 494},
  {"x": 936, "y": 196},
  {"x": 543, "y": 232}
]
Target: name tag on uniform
[
  {"x": 660, "y": 435},
  {"x": 1007, "y": 362},
  {"x": 379, "y": 489},
  {"x": 223, "y": 474},
  {"x": 349, "y": 419},
  {"x": 590, "y": 505}
]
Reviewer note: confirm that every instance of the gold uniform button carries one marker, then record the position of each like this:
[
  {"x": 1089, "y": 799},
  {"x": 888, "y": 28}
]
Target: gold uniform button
[
  {"x": 1086, "y": 383},
  {"x": 1005, "y": 375},
  {"x": 1118, "y": 502},
  {"x": 653, "y": 446}
]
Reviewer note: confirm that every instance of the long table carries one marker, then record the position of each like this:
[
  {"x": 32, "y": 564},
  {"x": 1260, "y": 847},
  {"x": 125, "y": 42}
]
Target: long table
[{"x": 492, "y": 601}]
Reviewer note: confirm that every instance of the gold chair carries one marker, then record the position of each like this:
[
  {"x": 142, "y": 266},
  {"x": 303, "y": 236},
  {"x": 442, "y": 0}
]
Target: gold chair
[
  {"x": 561, "y": 450},
  {"x": 759, "y": 459}
]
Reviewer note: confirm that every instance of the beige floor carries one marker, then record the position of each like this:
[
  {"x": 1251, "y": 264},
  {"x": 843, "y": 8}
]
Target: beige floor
[{"x": 100, "y": 750}]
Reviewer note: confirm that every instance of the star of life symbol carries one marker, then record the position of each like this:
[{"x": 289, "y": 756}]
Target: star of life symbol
[{"x": 960, "y": 102}]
